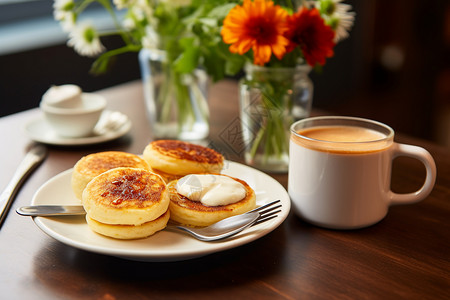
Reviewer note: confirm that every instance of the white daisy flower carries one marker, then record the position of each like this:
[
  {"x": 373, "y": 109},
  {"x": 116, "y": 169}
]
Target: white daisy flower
[
  {"x": 134, "y": 16},
  {"x": 85, "y": 40},
  {"x": 129, "y": 23},
  {"x": 338, "y": 16},
  {"x": 69, "y": 21},
  {"x": 61, "y": 7},
  {"x": 63, "y": 11},
  {"x": 343, "y": 26}
]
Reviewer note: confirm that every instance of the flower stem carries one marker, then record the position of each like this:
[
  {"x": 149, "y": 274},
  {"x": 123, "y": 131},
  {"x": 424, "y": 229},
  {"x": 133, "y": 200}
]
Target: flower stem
[
  {"x": 272, "y": 100},
  {"x": 107, "y": 5}
]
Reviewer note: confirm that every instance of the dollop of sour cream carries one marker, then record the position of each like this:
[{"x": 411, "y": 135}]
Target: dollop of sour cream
[
  {"x": 211, "y": 190},
  {"x": 64, "y": 96}
]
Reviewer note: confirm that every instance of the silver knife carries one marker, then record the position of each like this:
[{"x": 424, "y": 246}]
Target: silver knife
[
  {"x": 32, "y": 159},
  {"x": 50, "y": 210}
]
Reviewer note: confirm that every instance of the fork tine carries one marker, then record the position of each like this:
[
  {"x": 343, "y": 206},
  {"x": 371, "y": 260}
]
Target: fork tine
[
  {"x": 262, "y": 220},
  {"x": 268, "y": 210},
  {"x": 268, "y": 214},
  {"x": 264, "y": 206}
]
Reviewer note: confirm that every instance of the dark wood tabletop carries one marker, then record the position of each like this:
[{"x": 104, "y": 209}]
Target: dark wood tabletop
[{"x": 405, "y": 256}]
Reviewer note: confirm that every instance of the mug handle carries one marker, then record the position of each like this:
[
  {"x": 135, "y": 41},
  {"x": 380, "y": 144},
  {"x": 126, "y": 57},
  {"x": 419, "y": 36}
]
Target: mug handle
[{"x": 425, "y": 157}]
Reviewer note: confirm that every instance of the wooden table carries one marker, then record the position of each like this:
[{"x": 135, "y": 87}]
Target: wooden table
[{"x": 405, "y": 256}]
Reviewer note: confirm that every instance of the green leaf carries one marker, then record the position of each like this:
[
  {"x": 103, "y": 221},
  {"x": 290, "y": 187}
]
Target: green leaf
[
  {"x": 210, "y": 22},
  {"x": 102, "y": 65},
  {"x": 221, "y": 11},
  {"x": 215, "y": 67},
  {"x": 234, "y": 64},
  {"x": 188, "y": 59}
]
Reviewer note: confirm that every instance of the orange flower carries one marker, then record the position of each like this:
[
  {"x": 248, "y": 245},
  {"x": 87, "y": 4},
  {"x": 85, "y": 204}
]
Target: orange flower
[
  {"x": 258, "y": 25},
  {"x": 308, "y": 31}
]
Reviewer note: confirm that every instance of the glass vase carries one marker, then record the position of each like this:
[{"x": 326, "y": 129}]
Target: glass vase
[
  {"x": 271, "y": 99},
  {"x": 176, "y": 103}
]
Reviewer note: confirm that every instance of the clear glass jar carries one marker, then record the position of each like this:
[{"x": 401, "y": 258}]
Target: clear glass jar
[
  {"x": 271, "y": 99},
  {"x": 176, "y": 103}
]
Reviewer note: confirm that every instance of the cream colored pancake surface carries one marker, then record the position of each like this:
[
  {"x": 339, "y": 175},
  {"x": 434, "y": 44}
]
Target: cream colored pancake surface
[
  {"x": 125, "y": 196},
  {"x": 130, "y": 231},
  {"x": 94, "y": 164},
  {"x": 194, "y": 213},
  {"x": 174, "y": 159}
]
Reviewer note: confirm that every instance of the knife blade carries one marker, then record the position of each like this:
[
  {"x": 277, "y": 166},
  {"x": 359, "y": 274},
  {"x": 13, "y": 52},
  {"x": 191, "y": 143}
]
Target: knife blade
[
  {"x": 32, "y": 159},
  {"x": 50, "y": 210}
]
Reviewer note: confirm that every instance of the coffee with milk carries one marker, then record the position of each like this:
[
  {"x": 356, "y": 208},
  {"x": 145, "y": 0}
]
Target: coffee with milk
[{"x": 340, "y": 171}]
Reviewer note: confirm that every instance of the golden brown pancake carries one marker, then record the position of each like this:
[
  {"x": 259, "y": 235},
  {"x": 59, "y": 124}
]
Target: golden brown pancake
[
  {"x": 130, "y": 231},
  {"x": 125, "y": 196},
  {"x": 94, "y": 164},
  {"x": 194, "y": 213},
  {"x": 174, "y": 159}
]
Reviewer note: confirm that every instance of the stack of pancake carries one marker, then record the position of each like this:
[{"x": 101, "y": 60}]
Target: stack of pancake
[
  {"x": 126, "y": 203},
  {"x": 128, "y": 197},
  {"x": 175, "y": 159}
]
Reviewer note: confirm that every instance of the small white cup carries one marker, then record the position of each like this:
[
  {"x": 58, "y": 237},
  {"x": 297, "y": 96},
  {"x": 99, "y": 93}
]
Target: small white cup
[
  {"x": 344, "y": 183},
  {"x": 75, "y": 122}
]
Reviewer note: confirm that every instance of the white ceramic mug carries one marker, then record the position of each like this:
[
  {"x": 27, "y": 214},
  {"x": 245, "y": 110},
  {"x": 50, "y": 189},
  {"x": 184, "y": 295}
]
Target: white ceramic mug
[{"x": 340, "y": 171}]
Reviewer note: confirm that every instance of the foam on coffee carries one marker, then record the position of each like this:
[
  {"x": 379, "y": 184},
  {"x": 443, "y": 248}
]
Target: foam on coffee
[{"x": 342, "y": 139}]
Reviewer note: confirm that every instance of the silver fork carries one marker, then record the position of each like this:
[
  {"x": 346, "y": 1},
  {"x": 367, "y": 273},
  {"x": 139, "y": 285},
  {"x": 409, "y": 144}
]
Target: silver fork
[{"x": 232, "y": 225}]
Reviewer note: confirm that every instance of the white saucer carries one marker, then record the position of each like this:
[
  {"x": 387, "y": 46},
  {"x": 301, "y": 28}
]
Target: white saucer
[
  {"x": 164, "y": 245},
  {"x": 39, "y": 130}
]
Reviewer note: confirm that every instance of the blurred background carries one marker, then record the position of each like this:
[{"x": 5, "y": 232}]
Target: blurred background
[{"x": 394, "y": 68}]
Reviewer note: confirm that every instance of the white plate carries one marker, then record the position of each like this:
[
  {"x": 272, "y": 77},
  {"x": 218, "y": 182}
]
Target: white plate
[
  {"x": 164, "y": 245},
  {"x": 40, "y": 131}
]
